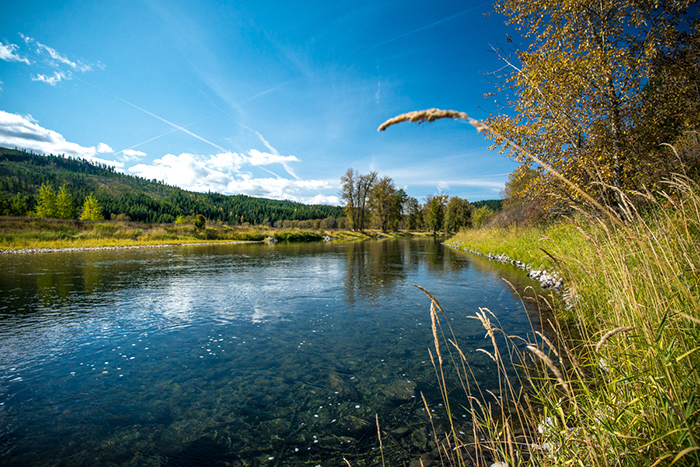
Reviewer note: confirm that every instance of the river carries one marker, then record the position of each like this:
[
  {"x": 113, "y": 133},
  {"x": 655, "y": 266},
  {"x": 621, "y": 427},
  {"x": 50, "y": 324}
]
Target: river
[{"x": 253, "y": 354}]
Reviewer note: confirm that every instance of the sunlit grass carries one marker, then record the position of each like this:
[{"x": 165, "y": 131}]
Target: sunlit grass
[{"x": 616, "y": 380}]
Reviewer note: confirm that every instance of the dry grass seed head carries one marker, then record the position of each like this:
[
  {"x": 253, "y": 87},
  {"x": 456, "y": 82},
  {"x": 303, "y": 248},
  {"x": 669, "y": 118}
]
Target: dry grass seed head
[
  {"x": 551, "y": 366},
  {"x": 611, "y": 333},
  {"x": 420, "y": 116},
  {"x": 433, "y": 319}
]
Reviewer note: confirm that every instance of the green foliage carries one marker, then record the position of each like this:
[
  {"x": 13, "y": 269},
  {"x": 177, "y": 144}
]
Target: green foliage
[
  {"x": 199, "y": 222},
  {"x": 481, "y": 215},
  {"x": 298, "y": 236},
  {"x": 386, "y": 203},
  {"x": 492, "y": 204},
  {"x": 18, "y": 205},
  {"x": 65, "y": 209},
  {"x": 92, "y": 211},
  {"x": 435, "y": 212},
  {"x": 458, "y": 214},
  {"x": 46, "y": 202}
]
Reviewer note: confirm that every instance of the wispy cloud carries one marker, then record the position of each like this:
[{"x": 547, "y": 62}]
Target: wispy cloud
[
  {"x": 54, "y": 57},
  {"x": 25, "y": 133},
  {"x": 132, "y": 155},
  {"x": 8, "y": 54},
  {"x": 54, "y": 79},
  {"x": 40, "y": 55}
]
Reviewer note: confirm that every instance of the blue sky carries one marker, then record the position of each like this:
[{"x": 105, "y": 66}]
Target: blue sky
[{"x": 266, "y": 98}]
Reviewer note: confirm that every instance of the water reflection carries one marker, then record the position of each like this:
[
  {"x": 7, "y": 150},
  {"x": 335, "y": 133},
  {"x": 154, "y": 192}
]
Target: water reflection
[{"x": 232, "y": 354}]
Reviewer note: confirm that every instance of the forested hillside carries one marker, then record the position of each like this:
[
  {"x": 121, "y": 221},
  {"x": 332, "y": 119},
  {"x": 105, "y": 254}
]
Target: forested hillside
[{"x": 124, "y": 196}]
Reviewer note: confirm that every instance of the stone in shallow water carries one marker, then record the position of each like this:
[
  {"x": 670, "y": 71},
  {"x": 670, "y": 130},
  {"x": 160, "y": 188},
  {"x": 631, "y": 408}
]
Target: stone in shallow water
[{"x": 399, "y": 390}]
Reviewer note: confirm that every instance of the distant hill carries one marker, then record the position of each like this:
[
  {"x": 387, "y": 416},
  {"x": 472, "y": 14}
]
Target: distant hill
[
  {"x": 493, "y": 204},
  {"x": 22, "y": 173}
]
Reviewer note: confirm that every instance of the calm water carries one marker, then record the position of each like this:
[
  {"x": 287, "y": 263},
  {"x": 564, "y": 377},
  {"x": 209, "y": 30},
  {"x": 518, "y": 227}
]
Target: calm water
[{"x": 234, "y": 354}]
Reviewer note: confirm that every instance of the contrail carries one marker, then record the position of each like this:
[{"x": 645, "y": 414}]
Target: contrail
[
  {"x": 247, "y": 99},
  {"x": 427, "y": 26},
  {"x": 156, "y": 116}
]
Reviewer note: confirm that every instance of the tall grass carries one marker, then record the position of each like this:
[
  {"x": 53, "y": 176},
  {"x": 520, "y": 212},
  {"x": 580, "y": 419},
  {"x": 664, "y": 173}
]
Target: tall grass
[{"x": 617, "y": 379}]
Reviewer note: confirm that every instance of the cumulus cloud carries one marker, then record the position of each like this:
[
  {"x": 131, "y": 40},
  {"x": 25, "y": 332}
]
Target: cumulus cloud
[
  {"x": 224, "y": 173},
  {"x": 7, "y": 53},
  {"x": 25, "y": 133},
  {"x": 103, "y": 148}
]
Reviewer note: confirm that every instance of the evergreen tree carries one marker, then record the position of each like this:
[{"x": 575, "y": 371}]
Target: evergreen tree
[
  {"x": 18, "y": 205},
  {"x": 92, "y": 211},
  {"x": 65, "y": 209},
  {"x": 46, "y": 202}
]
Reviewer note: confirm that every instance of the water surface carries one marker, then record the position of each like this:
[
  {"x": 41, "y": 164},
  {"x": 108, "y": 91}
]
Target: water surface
[{"x": 234, "y": 354}]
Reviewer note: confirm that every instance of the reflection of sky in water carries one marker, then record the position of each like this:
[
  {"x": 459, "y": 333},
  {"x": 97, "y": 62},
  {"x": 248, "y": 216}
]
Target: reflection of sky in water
[{"x": 236, "y": 344}]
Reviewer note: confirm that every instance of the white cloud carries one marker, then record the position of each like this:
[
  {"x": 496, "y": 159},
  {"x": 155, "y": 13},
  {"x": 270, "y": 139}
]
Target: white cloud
[
  {"x": 132, "y": 155},
  {"x": 7, "y": 53},
  {"x": 57, "y": 77},
  {"x": 103, "y": 147},
  {"x": 24, "y": 133},
  {"x": 62, "y": 66},
  {"x": 223, "y": 173}
]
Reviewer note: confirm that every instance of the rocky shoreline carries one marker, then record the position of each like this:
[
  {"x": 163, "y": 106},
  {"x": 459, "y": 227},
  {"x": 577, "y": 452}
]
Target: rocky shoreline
[
  {"x": 548, "y": 280},
  {"x": 24, "y": 251}
]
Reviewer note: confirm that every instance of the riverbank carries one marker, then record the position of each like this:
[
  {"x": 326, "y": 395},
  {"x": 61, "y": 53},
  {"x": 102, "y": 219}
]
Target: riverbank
[
  {"x": 616, "y": 380},
  {"x": 33, "y": 235}
]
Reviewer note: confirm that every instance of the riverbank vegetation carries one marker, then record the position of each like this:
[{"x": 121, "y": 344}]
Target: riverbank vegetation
[
  {"x": 29, "y": 233},
  {"x": 601, "y": 110}
]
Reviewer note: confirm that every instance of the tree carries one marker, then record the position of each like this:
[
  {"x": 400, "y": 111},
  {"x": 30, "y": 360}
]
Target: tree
[
  {"x": 414, "y": 214},
  {"x": 435, "y": 212},
  {"x": 385, "y": 203},
  {"x": 46, "y": 202},
  {"x": 18, "y": 205},
  {"x": 458, "y": 214},
  {"x": 65, "y": 208},
  {"x": 480, "y": 216},
  {"x": 200, "y": 222},
  {"x": 580, "y": 87},
  {"x": 356, "y": 189},
  {"x": 92, "y": 211}
]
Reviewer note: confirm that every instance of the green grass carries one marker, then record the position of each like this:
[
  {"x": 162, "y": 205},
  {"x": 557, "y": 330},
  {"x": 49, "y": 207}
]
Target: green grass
[{"x": 615, "y": 380}]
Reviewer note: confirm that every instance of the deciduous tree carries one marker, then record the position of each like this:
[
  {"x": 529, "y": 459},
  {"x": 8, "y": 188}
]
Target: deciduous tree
[
  {"x": 579, "y": 90},
  {"x": 435, "y": 212},
  {"x": 458, "y": 214},
  {"x": 355, "y": 191}
]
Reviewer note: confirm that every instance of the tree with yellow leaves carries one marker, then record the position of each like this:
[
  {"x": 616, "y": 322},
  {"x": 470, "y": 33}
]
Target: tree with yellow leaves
[{"x": 581, "y": 89}]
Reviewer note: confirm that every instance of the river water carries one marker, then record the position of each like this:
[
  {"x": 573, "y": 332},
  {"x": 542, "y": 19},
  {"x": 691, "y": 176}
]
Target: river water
[{"x": 236, "y": 355}]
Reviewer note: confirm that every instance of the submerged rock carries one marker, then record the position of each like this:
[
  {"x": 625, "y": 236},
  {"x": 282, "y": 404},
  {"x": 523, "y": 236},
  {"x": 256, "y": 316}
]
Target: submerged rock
[
  {"x": 342, "y": 386},
  {"x": 399, "y": 390}
]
